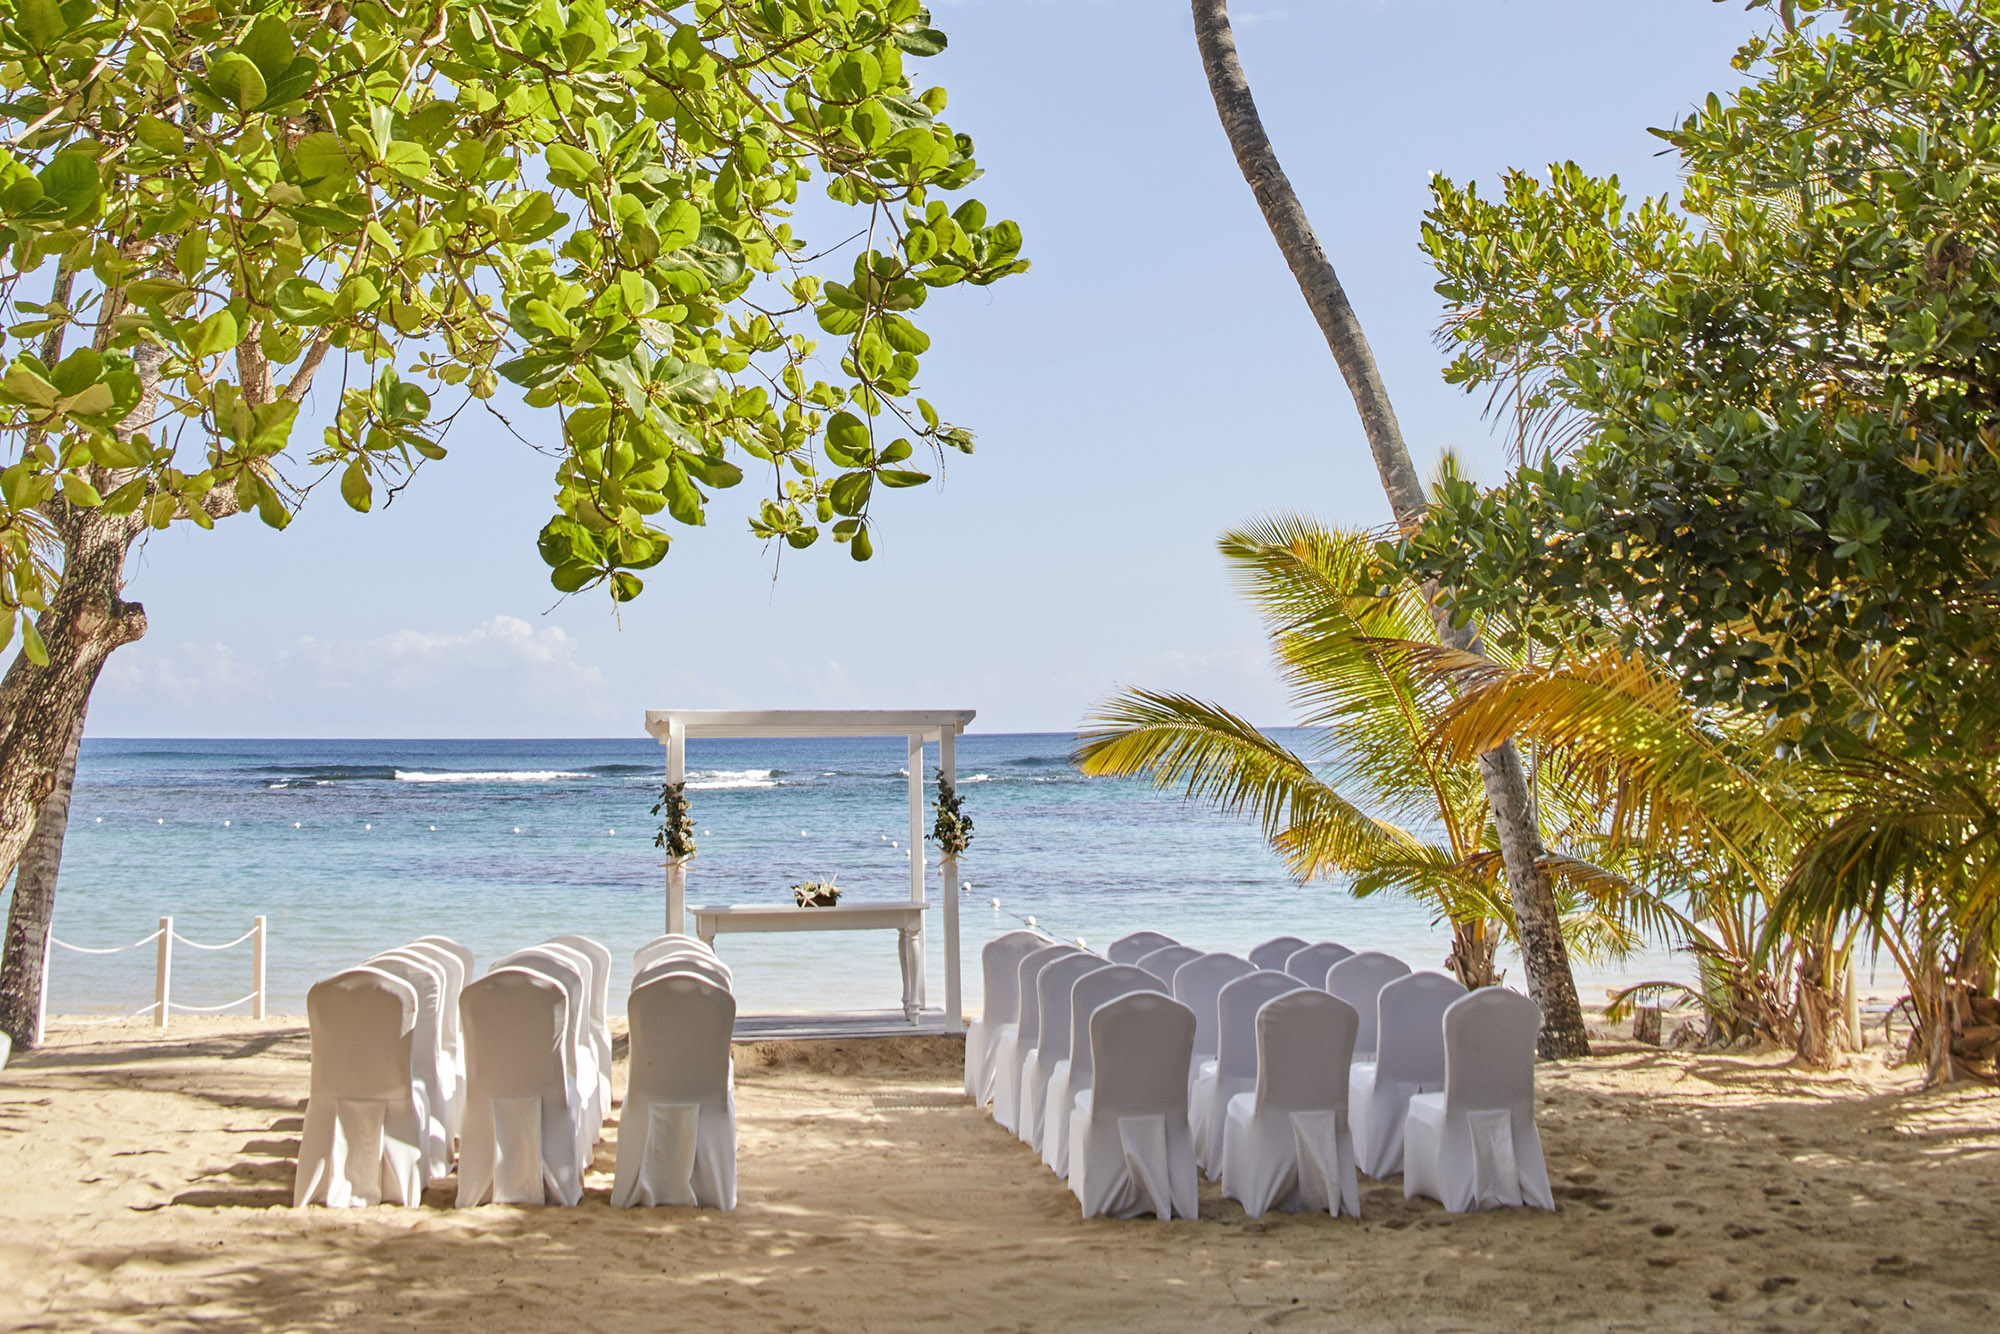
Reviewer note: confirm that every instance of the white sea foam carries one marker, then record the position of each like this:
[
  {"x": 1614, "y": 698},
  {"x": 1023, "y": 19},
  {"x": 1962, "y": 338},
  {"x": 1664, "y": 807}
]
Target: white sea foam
[
  {"x": 490, "y": 776},
  {"x": 710, "y": 780},
  {"x": 977, "y": 778}
]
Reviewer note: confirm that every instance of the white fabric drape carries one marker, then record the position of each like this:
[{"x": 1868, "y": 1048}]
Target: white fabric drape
[
  {"x": 1052, "y": 1038},
  {"x": 677, "y": 1129},
  {"x": 1164, "y": 962},
  {"x": 1309, "y": 964},
  {"x": 1285, "y": 1144},
  {"x": 1273, "y": 952},
  {"x": 1071, "y": 1075},
  {"x": 1017, "y": 1038},
  {"x": 1136, "y": 946},
  {"x": 1130, "y": 1150},
  {"x": 1409, "y": 1060},
  {"x": 1358, "y": 980},
  {"x": 1475, "y": 1146},
  {"x": 1198, "y": 985},
  {"x": 432, "y": 1068},
  {"x": 523, "y": 1137},
  {"x": 1234, "y": 1069},
  {"x": 999, "y": 967},
  {"x": 364, "y": 1126}
]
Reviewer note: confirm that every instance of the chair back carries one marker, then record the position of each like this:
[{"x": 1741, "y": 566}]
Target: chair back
[
  {"x": 1140, "y": 1045},
  {"x": 1000, "y": 961},
  {"x": 1029, "y": 1018},
  {"x": 361, "y": 1022},
  {"x": 517, "y": 1028},
  {"x": 661, "y": 946},
  {"x": 1087, "y": 995},
  {"x": 1198, "y": 985},
  {"x": 600, "y": 977},
  {"x": 1489, "y": 1050},
  {"x": 453, "y": 948},
  {"x": 567, "y": 969},
  {"x": 455, "y": 976},
  {"x": 1409, "y": 1028},
  {"x": 1236, "y": 1019},
  {"x": 426, "y": 977},
  {"x": 681, "y": 1029},
  {"x": 1358, "y": 981},
  {"x": 1053, "y": 991},
  {"x": 1273, "y": 952},
  {"x": 1305, "y": 1043},
  {"x": 1132, "y": 948},
  {"x": 1309, "y": 964},
  {"x": 1165, "y": 961},
  {"x": 693, "y": 965}
]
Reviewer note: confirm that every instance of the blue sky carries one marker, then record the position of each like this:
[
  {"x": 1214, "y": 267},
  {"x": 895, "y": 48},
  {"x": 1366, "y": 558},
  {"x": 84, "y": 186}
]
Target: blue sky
[{"x": 1154, "y": 379}]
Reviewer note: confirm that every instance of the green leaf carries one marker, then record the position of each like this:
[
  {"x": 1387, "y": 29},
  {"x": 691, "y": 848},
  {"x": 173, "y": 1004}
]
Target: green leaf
[
  {"x": 897, "y": 478},
  {"x": 237, "y": 81},
  {"x": 31, "y": 643},
  {"x": 322, "y": 156},
  {"x": 216, "y": 334},
  {"x": 70, "y": 181},
  {"x": 302, "y": 301},
  {"x": 713, "y": 472},
  {"x": 678, "y": 226},
  {"x": 406, "y": 159},
  {"x": 924, "y": 41},
  {"x": 572, "y": 167},
  {"x": 850, "y": 492},
  {"x": 355, "y": 488},
  {"x": 268, "y": 45},
  {"x": 28, "y": 387},
  {"x": 717, "y": 254}
]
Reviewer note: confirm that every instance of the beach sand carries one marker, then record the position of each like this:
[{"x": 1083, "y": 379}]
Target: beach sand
[{"x": 144, "y": 1179}]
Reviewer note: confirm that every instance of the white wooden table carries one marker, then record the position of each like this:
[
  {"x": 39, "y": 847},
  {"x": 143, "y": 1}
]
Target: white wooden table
[{"x": 905, "y": 917}]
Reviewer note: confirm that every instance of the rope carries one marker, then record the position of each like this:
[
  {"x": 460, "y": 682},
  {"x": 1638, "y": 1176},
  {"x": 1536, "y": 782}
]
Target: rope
[
  {"x": 1034, "y": 925},
  {"x": 209, "y": 1009},
  {"x": 78, "y": 949},
  {"x": 197, "y": 945},
  {"x": 114, "y": 1019}
]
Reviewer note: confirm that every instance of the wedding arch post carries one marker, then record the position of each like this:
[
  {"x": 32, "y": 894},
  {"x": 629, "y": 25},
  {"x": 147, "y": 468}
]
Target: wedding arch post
[{"x": 673, "y": 728}]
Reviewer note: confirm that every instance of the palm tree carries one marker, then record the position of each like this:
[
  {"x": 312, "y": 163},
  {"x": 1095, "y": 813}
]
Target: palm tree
[
  {"x": 1380, "y": 802},
  {"x": 1505, "y": 778}
]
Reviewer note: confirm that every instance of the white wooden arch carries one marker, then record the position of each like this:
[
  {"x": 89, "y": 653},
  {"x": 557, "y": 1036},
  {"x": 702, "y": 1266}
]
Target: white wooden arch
[{"x": 673, "y": 728}]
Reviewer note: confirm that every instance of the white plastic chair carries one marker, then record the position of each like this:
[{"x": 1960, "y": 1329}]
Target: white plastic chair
[
  {"x": 1409, "y": 1060},
  {"x": 677, "y": 1129},
  {"x": 662, "y": 945},
  {"x": 452, "y": 960},
  {"x": 569, "y": 970},
  {"x": 433, "y": 1069},
  {"x": 714, "y": 970},
  {"x": 364, "y": 1127},
  {"x": 600, "y": 1006},
  {"x": 1234, "y": 1069},
  {"x": 1474, "y": 1146},
  {"x": 1012, "y": 1047},
  {"x": 1130, "y": 1151},
  {"x": 1198, "y": 984},
  {"x": 1309, "y": 964},
  {"x": 523, "y": 1136},
  {"x": 999, "y": 965},
  {"x": 1273, "y": 952},
  {"x": 1071, "y": 1074},
  {"x": 1051, "y": 1039},
  {"x": 1358, "y": 981},
  {"x": 1164, "y": 962},
  {"x": 1286, "y": 1144},
  {"x": 1136, "y": 946}
]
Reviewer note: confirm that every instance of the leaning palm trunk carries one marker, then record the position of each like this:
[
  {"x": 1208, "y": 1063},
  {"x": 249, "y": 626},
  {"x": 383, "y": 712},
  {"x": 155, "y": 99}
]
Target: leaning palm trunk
[{"x": 1537, "y": 921}]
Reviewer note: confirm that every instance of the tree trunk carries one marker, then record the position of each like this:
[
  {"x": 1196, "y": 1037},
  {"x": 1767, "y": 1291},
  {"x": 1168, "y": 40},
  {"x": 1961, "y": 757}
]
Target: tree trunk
[
  {"x": 41, "y": 716},
  {"x": 1537, "y": 923},
  {"x": 25, "y": 955}
]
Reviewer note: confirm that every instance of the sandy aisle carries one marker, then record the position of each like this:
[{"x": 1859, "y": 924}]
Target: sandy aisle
[{"x": 141, "y": 1186}]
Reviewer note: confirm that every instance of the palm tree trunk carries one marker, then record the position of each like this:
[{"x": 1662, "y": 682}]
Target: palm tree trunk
[{"x": 1537, "y": 923}]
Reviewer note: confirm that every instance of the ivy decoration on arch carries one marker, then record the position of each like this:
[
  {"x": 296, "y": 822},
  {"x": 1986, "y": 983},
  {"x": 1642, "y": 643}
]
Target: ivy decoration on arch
[
  {"x": 952, "y": 831},
  {"x": 676, "y": 833}
]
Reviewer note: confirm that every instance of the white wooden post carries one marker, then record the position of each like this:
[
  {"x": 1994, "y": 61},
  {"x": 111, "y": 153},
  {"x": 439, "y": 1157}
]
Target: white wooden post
[
  {"x": 163, "y": 974},
  {"x": 257, "y": 968},
  {"x": 917, "y": 850},
  {"x": 948, "y": 890},
  {"x": 676, "y": 869}
]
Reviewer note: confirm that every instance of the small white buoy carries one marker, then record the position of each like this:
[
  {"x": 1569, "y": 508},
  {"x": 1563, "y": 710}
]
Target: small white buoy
[
  {"x": 895, "y": 845},
  {"x": 100, "y": 819},
  {"x": 996, "y": 905},
  {"x": 1029, "y": 920},
  {"x": 706, "y": 832},
  {"x": 295, "y": 824},
  {"x": 802, "y": 833},
  {"x": 610, "y": 832},
  {"x": 1082, "y": 944},
  {"x": 434, "y": 829},
  {"x": 368, "y": 826},
  {"x": 225, "y": 824},
  {"x": 159, "y": 822},
  {"x": 517, "y": 829}
]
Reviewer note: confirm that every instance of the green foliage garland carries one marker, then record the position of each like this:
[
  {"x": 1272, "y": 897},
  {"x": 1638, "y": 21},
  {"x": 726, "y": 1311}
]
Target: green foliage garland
[
  {"x": 952, "y": 831},
  {"x": 676, "y": 833}
]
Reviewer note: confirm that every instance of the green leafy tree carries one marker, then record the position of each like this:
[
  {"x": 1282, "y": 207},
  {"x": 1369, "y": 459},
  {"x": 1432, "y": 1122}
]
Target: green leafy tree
[
  {"x": 208, "y": 208},
  {"x": 1770, "y": 456}
]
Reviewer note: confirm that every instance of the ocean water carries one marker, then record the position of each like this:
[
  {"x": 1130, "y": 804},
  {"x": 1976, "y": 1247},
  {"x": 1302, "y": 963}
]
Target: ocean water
[{"x": 348, "y": 847}]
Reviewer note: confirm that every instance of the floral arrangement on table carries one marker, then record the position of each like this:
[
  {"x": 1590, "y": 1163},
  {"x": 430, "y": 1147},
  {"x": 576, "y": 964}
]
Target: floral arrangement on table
[
  {"x": 676, "y": 833},
  {"x": 952, "y": 831},
  {"x": 816, "y": 893}
]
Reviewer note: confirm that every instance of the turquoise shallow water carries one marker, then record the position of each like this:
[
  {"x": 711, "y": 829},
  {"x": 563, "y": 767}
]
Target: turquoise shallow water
[{"x": 351, "y": 846}]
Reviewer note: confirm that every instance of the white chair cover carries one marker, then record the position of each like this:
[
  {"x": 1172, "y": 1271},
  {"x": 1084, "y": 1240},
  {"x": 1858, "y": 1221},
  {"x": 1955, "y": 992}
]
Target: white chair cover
[
  {"x": 600, "y": 1006},
  {"x": 1008, "y": 1053},
  {"x": 570, "y": 970},
  {"x": 1000, "y": 965},
  {"x": 453, "y": 948},
  {"x": 1474, "y": 1146},
  {"x": 1129, "y": 1151},
  {"x": 1051, "y": 1039},
  {"x": 1409, "y": 1060},
  {"x": 661, "y": 945},
  {"x": 1132, "y": 948},
  {"x": 677, "y": 1129},
  {"x": 363, "y": 1137},
  {"x": 1165, "y": 961},
  {"x": 714, "y": 970},
  {"x": 523, "y": 1136},
  {"x": 1273, "y": 952},
  {"x": 1198, "y": 985},
  {"x": 431, "y": 1066},
  {"x": 1285, "y": 1144},
  {"x": 1309, "y": 964},
  {"x": 1072, "y": 1073},
  {"x": 1358, "y": 980},
  {"x": 452, "y": 960},
  {"x": 1234, "y": 1069}
]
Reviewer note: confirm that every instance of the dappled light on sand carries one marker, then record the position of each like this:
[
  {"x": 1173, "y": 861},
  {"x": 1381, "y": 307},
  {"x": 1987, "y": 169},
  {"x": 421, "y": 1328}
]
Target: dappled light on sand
[{"x": 143, "y": 1185}]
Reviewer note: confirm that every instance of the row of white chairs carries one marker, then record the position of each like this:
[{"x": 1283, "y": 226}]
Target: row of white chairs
[
  {"x": 1301, "y": 1065},
  {"x": 418, "y": 1071},
  {"x": 677, "y": 1128}
]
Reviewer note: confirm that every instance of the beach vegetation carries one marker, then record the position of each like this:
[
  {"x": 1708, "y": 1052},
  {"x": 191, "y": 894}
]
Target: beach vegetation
[{"x": 211, "y": 208}]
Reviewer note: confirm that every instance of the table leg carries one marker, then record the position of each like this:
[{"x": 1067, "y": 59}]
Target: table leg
[
  {"x": 909, "y": 953},
  {"x": 704, "y": 931}
]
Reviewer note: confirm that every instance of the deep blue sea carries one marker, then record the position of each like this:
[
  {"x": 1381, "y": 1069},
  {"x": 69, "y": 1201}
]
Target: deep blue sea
[{"x": 352, "y": 846}]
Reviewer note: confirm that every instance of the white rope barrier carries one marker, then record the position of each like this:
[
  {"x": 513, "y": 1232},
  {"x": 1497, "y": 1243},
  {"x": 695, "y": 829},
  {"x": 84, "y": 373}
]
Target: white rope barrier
[
  {"x": 114, "y": 1019},
  {"x": 163, "y": 1004}
]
